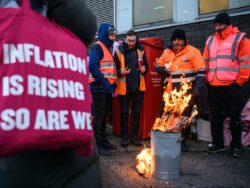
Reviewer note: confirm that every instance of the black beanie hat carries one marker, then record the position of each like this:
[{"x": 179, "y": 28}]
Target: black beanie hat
[
  {"x": 179, "y": 33},
  {"x": 223, "y": 18}
]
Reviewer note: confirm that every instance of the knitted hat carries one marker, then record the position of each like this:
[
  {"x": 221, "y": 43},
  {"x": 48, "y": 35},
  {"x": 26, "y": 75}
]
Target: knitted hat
[
  {"x": 223, "y": 18},
  {"x": 179, "y": 33},
  {"x": 111, "y": 30}
]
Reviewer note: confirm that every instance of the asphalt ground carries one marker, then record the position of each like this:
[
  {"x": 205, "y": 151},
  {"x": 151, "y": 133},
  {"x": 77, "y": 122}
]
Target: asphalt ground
[{"x": 197, "y": 168}]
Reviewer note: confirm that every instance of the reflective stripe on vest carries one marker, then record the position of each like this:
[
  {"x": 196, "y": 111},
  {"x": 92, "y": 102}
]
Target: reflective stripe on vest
[
  {"x": 244, "y": 59},
  {"x": 186, "y": 75},
  {"x": 183, "y": 75},
  {"x": 121, "y": 85},
  {"x": 222, "y": 60},
  {"x": 107, "y": 65}
]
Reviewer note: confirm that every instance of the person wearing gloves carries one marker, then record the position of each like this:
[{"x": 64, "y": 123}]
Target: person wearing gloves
[
  {"x": 102, "y": 81},
  {"x": 227, "y": 56},
  {"x": 182, "y": 62}
]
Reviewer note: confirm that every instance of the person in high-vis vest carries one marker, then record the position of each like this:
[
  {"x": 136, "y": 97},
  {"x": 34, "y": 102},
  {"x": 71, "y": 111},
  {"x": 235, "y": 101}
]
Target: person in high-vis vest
[
  {"x": 182, "y": 62},
  {"x": 102, "y": 80},
  {"x": 227, "y": 57},
  {"x": 131, "y": 67}
]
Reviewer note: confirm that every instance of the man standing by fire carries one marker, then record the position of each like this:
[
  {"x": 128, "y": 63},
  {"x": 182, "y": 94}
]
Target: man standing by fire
[
  {"x": 182, "y": 62},
  {"x": 131, "y": 66},
  {"x": 227, "y": 55}
]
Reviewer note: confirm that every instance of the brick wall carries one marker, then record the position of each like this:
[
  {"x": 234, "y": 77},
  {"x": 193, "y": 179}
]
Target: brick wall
[{"x": 197, "y": 33}]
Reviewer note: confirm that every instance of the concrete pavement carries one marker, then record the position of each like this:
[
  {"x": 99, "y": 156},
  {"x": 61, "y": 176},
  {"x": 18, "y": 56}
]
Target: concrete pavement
[{"x": 197, "y": 168}]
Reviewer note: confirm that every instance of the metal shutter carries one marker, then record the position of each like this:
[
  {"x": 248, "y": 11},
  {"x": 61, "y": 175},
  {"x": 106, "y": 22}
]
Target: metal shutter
[{"x": 103, "y": 9}]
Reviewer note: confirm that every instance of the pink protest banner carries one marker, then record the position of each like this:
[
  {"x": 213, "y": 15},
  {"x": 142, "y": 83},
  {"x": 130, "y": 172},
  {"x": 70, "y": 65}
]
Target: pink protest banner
[{"x": 44, "y": 94}]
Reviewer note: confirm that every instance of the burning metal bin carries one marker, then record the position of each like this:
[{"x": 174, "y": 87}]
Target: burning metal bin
[{"x": 165, "y": 154}]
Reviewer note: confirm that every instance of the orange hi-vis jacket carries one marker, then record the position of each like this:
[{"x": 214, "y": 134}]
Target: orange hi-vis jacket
[
  {"x": 186, "y": 65},
  {"x": 107, "y": 65},
  {"x": 121, "y": 85},
  {"x": 227, "y": 57}
]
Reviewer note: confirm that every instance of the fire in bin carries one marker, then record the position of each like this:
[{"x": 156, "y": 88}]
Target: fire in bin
[{"x": 175, "y": 103}]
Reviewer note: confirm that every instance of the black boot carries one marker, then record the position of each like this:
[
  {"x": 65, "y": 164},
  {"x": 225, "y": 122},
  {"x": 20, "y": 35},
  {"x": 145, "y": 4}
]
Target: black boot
[
  {"x": 107, "y": 145},
  {"x": 124, "y": 141},
  {"x": 103, "y": 151},
  {"x": 136, "y": 141}
]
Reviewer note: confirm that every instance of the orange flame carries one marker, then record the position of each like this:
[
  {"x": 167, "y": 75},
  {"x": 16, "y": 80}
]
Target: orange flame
[
  {"x": 171, "y": 121},
  {"x": 144, "y": 161},
  {"x": 175, "y": 103}
]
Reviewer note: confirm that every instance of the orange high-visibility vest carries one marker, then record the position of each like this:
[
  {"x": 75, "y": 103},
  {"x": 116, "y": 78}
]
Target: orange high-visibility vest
[
  {"x": 107, "y": 65},
  {"x": 121, "y": 86},
  {"x": 185, "y": 65},
  {"x": 223, "y": 64}
]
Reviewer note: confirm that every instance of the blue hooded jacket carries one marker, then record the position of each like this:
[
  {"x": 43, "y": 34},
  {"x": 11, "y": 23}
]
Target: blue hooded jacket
[{"x": 101, "y": 84}]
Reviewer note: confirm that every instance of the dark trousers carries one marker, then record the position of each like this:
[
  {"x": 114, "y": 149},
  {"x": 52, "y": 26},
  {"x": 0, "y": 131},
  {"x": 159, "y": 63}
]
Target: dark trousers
[
  {"x": 100, "y": 109},
  {"x": 136, "y": 97},
  {"x": 224, "y": 102},
  {"x": 109, "y": 111}
]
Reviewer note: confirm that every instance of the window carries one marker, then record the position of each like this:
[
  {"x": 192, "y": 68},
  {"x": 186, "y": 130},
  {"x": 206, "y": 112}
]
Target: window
[
  {"x": 151, "y": 11},
  {"x": 210, "y": 6}
]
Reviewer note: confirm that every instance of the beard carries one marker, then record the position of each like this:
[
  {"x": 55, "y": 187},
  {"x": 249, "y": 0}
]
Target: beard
[{"x": 178, "y": 46}]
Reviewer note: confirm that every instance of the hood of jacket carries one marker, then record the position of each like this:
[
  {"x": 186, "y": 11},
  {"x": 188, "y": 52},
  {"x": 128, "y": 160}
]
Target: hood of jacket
[
  {"x": 228, "y": 31},
  {"x": 103, "y": 34}
]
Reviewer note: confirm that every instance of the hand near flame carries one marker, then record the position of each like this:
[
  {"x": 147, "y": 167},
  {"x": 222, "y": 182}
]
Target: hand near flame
[{"x": 167, "y": 66}]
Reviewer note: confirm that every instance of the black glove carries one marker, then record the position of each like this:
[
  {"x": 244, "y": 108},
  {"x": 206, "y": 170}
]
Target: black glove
[
  {"x": 161, "y": 70},
  {"x": 234, "y": 90},
  {"x": 234, "y": 86}
]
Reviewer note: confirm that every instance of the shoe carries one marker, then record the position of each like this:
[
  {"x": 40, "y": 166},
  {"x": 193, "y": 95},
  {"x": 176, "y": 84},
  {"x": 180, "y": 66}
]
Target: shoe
[
  {"x": 136, "y": 142},
  {"x": 236, "y": 152},
  {"x": 124, "y": 142},
  {"x": 212, "y": 148},
  {"x": 107, "y": 145},
  {"x": 103, "y": 151}
]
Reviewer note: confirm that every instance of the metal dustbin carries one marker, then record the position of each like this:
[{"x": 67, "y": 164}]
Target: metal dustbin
[{"x": 165, "y": 151}]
